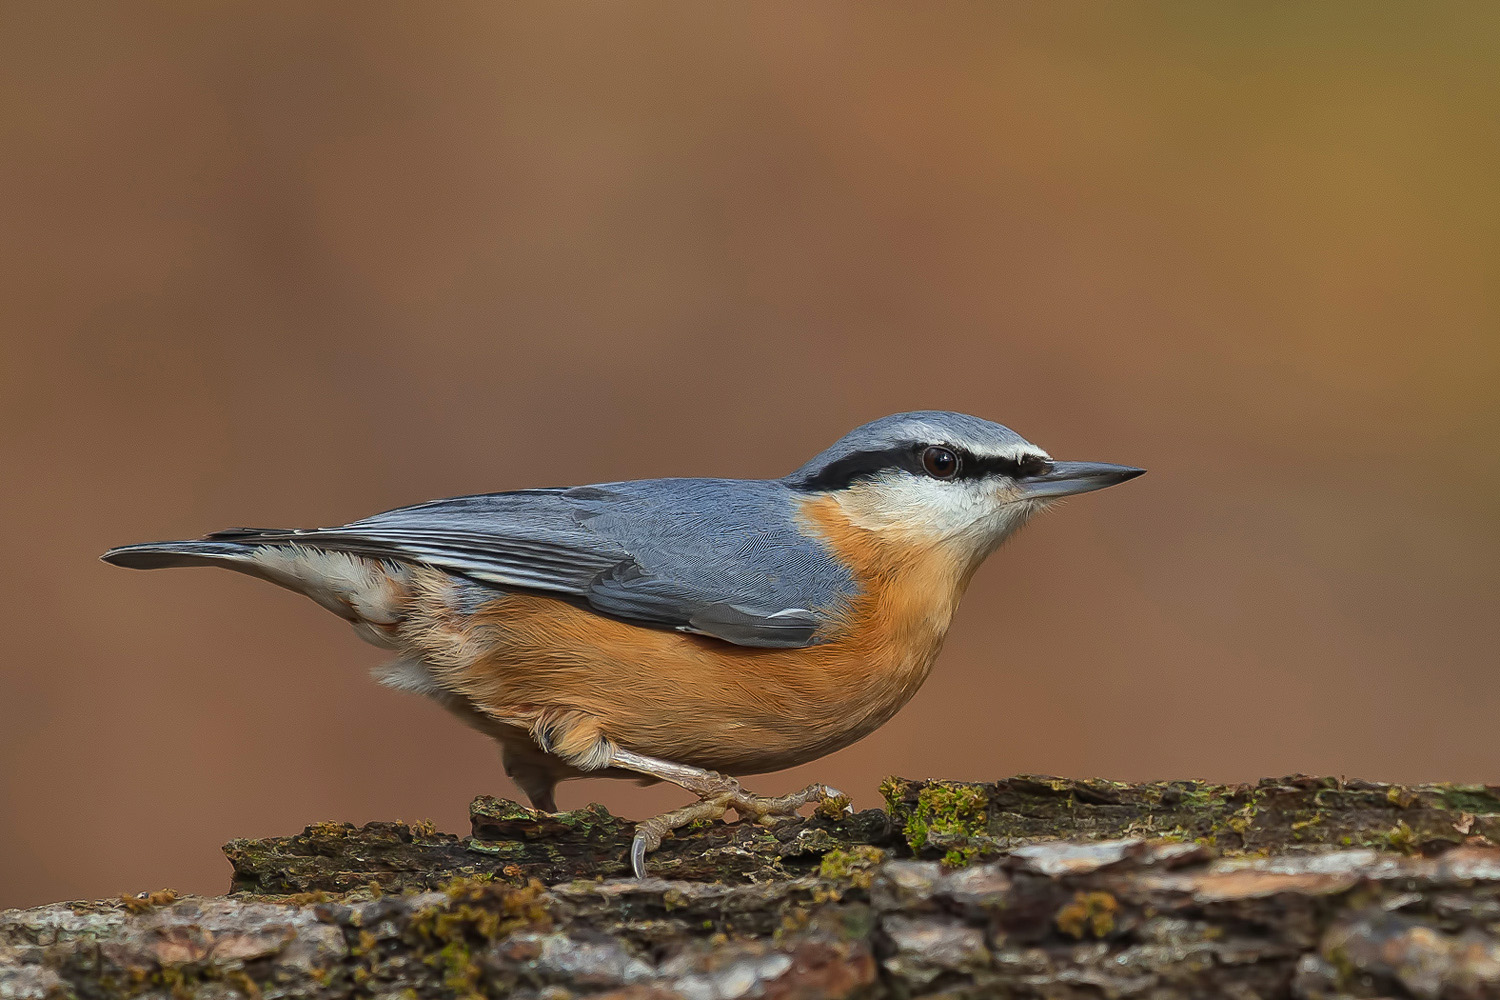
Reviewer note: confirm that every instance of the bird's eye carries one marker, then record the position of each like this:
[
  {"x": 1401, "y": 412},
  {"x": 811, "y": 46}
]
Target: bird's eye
[{"x": 940, "y": 463}]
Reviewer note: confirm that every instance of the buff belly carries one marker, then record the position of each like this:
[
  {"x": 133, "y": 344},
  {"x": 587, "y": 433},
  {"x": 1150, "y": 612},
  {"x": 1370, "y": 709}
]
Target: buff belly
[{"x": 572, "y": 678}]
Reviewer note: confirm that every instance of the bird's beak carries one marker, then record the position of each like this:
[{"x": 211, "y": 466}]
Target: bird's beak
[{"x": 1067, "y": 478}]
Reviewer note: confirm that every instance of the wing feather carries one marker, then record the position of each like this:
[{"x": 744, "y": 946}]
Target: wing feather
[{"x": 722, "y": 558}]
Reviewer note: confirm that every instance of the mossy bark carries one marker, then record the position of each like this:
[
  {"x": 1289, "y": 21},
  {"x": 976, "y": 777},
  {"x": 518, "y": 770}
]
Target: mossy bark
[
  {"x": 1051, "y": 888},
  {"x": 513, "y": 843},
  {"x": 1299, "y": 813}
]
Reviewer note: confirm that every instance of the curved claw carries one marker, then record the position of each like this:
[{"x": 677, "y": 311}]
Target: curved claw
[
  {"x": 834, "y": 804},
  {"x": 638, "y": 854}
]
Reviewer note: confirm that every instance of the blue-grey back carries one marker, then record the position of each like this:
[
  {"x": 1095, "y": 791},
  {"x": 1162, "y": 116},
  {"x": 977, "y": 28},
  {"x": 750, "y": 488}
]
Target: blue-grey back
[
  {"x": 718, "y": 556},
  {"x": 735, "y": 539}
]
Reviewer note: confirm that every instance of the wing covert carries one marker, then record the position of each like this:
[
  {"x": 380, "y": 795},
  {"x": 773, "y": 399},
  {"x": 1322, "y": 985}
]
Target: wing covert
[{"x": 722, "y": 558}]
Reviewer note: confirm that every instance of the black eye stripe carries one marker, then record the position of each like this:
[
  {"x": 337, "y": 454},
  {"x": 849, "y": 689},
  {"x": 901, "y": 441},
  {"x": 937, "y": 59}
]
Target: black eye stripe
[
  {"x": 850, "y": 469},
  {"x": 987, "y": 465},
  {"x": 908, "y": 458}
]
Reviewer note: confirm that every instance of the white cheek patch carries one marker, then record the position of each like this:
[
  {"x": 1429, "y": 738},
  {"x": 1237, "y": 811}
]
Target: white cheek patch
[
  {"x": 974, "y": 515},
  {"x": 929, "y": 506}
]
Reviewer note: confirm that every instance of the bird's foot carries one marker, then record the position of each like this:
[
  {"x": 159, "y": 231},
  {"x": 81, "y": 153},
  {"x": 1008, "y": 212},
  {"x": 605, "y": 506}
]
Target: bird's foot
[{"x": 718, "y": 798}]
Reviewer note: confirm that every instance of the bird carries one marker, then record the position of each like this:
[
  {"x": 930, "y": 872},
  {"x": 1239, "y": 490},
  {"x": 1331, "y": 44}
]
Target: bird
[{"x": 686, "y": 630}]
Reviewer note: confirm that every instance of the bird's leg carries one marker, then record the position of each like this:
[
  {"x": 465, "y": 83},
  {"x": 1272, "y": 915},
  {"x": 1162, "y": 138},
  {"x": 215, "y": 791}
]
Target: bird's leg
[
  {"x": 717, "y": 793},
  {"x": 526, "y": 766}
]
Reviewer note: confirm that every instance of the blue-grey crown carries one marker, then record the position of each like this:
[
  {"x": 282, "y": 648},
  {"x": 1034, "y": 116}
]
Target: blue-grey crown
[{"x": 897, "y": 441}]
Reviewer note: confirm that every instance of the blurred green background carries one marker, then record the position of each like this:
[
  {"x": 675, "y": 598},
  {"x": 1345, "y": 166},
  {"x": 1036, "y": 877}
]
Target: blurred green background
[{"x": 294, "y": 263}]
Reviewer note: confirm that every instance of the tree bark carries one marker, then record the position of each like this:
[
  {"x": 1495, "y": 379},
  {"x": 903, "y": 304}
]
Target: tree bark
[{"x": 1028, "y": 887}]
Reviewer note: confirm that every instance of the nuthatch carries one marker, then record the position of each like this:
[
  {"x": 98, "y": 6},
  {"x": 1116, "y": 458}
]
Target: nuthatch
[{"x": 681, "y": 630}]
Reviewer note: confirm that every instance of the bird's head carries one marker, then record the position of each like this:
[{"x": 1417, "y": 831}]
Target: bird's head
[{"x": 946, "y": 478}]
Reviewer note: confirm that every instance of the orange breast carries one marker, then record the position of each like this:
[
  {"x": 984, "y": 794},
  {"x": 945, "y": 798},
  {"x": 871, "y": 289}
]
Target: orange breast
[{"x": 547, "y": 664}]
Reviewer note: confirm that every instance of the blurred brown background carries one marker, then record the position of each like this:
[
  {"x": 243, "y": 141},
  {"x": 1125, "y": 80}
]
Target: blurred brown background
[{"x": 290, "y": 264}]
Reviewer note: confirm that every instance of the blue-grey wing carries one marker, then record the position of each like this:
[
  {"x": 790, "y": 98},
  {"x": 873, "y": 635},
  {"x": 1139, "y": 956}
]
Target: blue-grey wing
[
  {"x": 527, "y": 540},
  {"x": 723, "y": 558}
]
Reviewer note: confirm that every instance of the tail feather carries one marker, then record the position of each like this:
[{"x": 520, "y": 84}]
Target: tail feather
[
  {"x": 160, "y": 555},
  {"x": 353, "y": 587}
]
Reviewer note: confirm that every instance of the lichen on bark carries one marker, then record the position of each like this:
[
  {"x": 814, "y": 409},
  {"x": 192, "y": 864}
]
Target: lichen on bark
[{"x": 1025, "y": 887}]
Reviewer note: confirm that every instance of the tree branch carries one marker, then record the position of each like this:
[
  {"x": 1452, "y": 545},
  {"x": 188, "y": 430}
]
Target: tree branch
[{"x": 1294, "y": 887}]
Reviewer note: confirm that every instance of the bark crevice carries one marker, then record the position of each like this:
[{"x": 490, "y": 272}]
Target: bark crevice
[{"x": 1027, "y": 887}]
